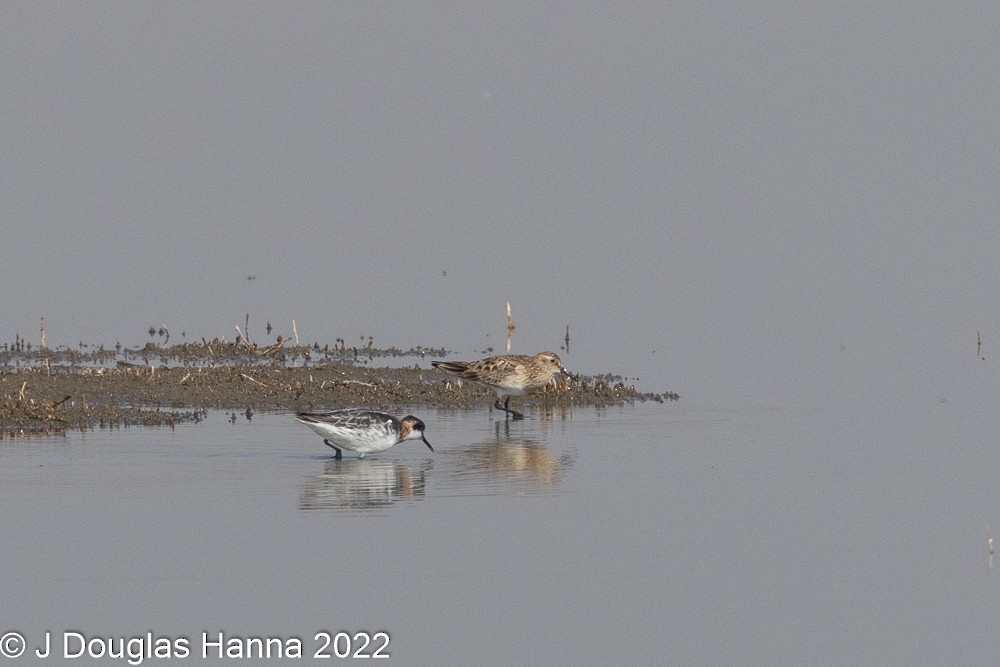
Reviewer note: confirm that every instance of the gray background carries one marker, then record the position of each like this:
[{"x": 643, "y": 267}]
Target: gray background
[{"x": 722, "y": 199}]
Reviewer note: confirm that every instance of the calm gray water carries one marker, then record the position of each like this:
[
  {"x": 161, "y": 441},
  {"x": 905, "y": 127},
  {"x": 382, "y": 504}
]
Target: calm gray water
[{"x": 636, "y": 535}]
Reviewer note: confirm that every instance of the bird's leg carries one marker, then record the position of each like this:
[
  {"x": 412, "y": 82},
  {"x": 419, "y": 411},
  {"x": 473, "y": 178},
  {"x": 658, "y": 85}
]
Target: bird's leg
[
  {"x": 512, "y": 414},
  {"x": 339, "y": 455}
]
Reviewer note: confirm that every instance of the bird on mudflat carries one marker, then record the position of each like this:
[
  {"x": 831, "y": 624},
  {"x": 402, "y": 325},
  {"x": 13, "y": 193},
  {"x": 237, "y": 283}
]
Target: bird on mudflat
[
  {"x": 362, "y": 431},
  {"x": 507, "y": 374}
]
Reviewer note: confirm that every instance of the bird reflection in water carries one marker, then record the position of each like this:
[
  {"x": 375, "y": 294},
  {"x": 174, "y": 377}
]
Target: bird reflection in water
[
  {"x": 361, "y": 484},
  {"x": 506, "y": 463}
]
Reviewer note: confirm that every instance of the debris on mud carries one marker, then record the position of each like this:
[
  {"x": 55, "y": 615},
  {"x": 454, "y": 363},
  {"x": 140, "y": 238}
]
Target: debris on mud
[{"x": 53, "y": 391}]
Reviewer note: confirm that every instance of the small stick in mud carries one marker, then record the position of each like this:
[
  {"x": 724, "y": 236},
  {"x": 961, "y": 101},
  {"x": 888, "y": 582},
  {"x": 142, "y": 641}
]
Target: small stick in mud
[{"x": 252, "y": 380}]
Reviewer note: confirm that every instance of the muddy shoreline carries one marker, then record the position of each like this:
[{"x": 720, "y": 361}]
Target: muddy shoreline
[{"x": 54, "y": 391}]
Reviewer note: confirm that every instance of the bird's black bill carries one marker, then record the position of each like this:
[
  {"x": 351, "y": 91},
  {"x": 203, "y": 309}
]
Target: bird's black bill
[{"x": 427, "y": 443}]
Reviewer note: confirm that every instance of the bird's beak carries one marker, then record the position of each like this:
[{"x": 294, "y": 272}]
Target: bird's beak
[
  {"x": 427, "y": 443},
  {"x": 574, "y": 378}
]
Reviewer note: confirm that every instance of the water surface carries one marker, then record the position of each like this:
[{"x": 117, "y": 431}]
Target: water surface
[{"x": 640, "y": 534}]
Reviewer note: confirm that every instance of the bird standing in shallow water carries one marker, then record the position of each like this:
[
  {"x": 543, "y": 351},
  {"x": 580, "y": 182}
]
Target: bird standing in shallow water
[
  {"x": 507, "y": 374},
  {"x": 362, "y": 431}
]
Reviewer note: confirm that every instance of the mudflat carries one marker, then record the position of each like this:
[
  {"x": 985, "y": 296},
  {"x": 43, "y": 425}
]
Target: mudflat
[{"x": 45, "y": 391}]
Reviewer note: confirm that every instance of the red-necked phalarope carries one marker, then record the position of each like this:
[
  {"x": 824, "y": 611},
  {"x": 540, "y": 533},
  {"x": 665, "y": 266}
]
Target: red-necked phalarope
[
  {"x": 507, "y": 374},
  {"x": 362, "y": 431}
]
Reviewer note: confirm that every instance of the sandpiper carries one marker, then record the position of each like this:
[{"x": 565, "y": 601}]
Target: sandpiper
[
  {"x": 362, "y": 431},
  {"x": 507, "y": 374}
]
